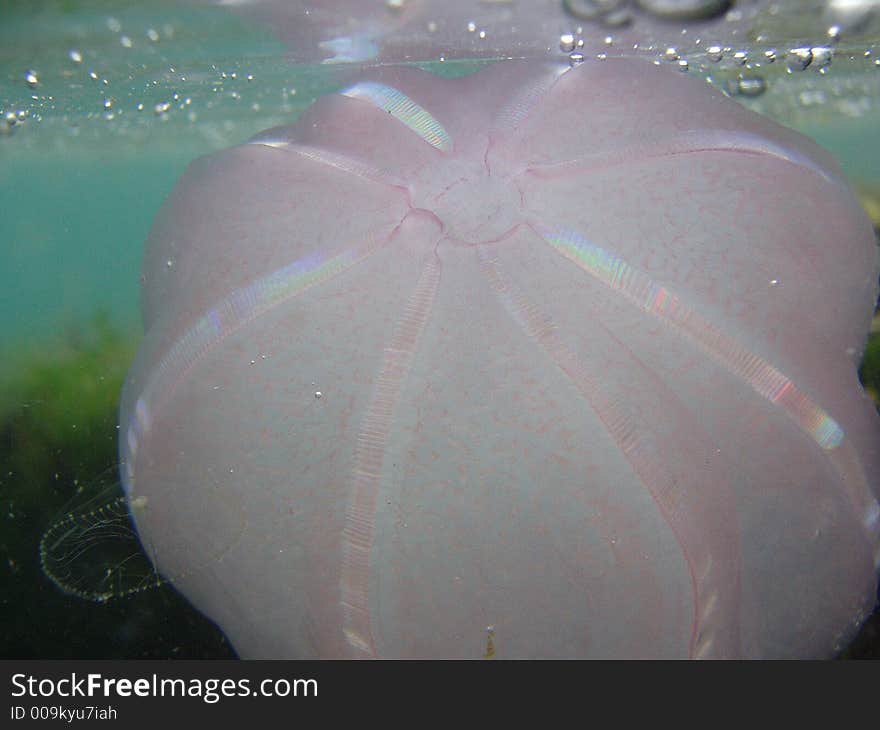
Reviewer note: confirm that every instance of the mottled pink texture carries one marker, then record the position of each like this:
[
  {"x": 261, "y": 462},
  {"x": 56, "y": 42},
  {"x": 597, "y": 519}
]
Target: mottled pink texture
[{"x": 567, "y": 363}]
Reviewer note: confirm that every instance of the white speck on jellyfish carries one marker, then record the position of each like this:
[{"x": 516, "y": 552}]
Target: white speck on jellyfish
[
  {"x": 125, "y": 41},
  {"x": 318, "y": 394},
  {"x": 153, "y": 35}
]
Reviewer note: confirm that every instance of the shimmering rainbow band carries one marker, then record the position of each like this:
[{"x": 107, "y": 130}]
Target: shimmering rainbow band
[
  {"x": 400, "y": 106},
  {"x": 226, "y": 317},
  {"x": 664, "y": 304}
]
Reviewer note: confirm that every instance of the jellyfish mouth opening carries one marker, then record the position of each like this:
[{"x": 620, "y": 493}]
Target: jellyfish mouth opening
[{"x": 477, "y": 208}]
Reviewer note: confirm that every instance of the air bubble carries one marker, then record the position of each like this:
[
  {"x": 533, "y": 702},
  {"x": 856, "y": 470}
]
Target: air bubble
[
  {"x": 611, "y": 13},
  {"x": 589, "y": 9},
  {"x": 566, "y": 42},
  {"x": 74, "y": 55},
  {"x": 798, "y": 59},
  {"x": 31, "y": 78},
  {"x": 684, "y": 9},
  {"x": 618, "y": 18},
  {"x": 821, "y": 58},
  {"x": 715, "y": 53},
  {"x": 751, "y": 86}
]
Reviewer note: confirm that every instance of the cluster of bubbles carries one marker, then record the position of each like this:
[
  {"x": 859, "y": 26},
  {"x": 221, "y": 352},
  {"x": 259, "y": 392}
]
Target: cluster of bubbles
[
  {"x": 774, "y": 43},
  {"x": 125, "y": 75},
  {"x": 134, "y": 70}
]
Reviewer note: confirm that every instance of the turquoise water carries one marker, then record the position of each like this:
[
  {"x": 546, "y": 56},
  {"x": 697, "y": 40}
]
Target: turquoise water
[{"x": 102, "y": 106}]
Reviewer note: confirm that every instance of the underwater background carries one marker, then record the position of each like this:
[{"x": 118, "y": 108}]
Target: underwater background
[{"x": 102, "y": 106}]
